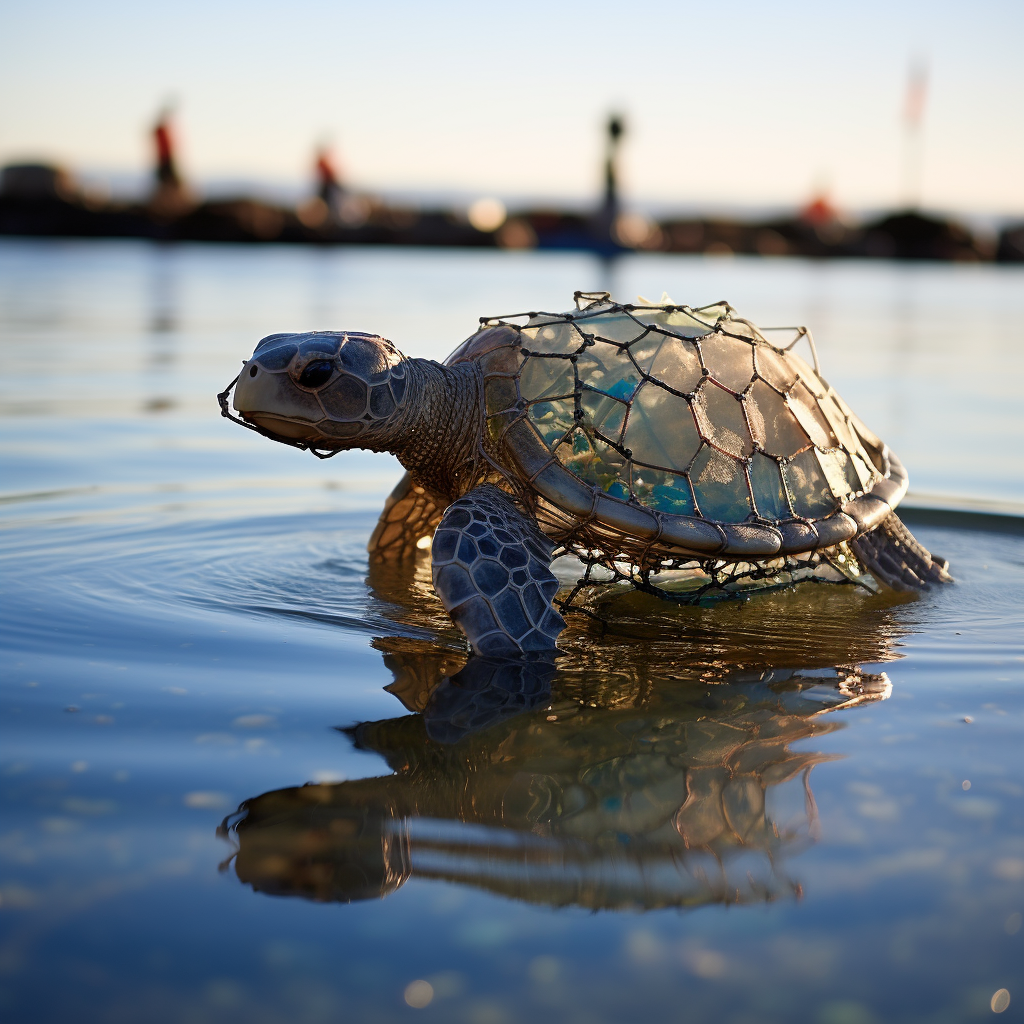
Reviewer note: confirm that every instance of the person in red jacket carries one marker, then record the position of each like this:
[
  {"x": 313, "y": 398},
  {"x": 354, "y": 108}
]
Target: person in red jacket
[
  {"x": 166, "y": 170},
  {"x": 170, "y": 196}
]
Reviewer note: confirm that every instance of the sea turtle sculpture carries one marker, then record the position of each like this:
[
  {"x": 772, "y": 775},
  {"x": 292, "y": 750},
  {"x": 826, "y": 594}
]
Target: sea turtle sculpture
[{"x": 643, "y": 438}]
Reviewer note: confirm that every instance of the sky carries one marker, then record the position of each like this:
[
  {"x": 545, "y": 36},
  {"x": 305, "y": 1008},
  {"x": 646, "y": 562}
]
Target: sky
[{"x": 728, "y": 103}]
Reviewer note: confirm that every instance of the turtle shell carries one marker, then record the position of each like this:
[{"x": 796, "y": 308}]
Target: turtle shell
[{"x": 685, "y": 427}]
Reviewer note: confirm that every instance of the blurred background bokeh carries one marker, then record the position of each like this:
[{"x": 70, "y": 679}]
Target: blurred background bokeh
[{"x": 733, "y": 127}]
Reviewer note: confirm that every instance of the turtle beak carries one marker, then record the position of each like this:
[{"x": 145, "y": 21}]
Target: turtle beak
[{"x": 273, "y": 403}]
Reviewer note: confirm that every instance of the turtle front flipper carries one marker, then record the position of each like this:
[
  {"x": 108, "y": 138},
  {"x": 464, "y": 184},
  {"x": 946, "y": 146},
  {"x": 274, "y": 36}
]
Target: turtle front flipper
[
  {"x": 491, "y": 569},
  {"x": 894, "y": 556},
  {"x": 410, "y": 513}
]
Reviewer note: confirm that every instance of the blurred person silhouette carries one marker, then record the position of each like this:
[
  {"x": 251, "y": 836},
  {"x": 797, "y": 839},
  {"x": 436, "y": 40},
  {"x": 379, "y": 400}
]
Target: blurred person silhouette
[
  {"x": 166, "y": 169},
  {"x": 170, "y": 197},
  {"x": 603, "y": 225},
  {"x": 333, "y": 206},
  {"x": 329, "y": 187}
]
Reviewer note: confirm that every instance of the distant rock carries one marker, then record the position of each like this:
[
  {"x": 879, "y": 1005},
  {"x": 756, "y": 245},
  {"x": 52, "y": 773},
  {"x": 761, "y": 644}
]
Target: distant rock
[
  {"x": 1010, "y": 248},
  {"x": 913, "y": 236}
]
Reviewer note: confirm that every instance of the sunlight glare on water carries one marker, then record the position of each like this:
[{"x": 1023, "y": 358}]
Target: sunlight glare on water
[{"x": 805, "y": 807}]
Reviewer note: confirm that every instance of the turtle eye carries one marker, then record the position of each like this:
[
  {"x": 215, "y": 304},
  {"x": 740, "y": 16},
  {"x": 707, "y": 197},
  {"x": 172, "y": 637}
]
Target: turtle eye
[{"x": 317, "y": 373}]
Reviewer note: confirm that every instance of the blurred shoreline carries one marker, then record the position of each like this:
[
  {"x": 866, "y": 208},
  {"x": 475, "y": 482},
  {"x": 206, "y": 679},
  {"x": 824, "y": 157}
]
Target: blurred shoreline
[{"x": 39, "y": 200}]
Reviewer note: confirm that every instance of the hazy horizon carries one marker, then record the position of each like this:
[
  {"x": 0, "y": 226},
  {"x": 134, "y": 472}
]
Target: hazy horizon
[{"x": 737, "y": 107}]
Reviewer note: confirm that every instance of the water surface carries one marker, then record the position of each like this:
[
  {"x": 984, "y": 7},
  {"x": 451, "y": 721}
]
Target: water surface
[{"x": 806, "y": 807}]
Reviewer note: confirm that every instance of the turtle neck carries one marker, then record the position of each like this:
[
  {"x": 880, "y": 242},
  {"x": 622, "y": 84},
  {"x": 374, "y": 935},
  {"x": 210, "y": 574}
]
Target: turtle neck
[{"x": 437, "y": 434}]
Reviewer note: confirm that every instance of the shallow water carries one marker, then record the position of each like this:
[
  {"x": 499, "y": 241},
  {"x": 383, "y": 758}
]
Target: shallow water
[{"x": 806, "y": 807}]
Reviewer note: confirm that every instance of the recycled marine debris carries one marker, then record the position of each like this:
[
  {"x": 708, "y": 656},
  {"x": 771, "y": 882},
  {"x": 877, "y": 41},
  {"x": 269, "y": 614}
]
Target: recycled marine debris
[{"x": 678, "y": 451}]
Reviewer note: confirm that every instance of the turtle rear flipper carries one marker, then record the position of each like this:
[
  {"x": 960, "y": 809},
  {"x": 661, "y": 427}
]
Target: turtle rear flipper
[
  {"x": 895, "y": 557},
  {"x": 491, "y": 569}
]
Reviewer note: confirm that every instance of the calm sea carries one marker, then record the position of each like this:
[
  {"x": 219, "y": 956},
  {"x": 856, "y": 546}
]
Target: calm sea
[{"x": 243, "y": 779}]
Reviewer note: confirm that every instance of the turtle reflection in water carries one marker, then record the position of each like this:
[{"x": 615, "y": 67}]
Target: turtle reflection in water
[
  {"x": 638, "y": 792},
  {"x": 645, "y": 439}
]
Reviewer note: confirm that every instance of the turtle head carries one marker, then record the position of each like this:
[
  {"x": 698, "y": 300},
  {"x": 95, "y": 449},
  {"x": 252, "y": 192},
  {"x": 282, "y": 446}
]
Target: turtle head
[{"x": 330, "y": 389}]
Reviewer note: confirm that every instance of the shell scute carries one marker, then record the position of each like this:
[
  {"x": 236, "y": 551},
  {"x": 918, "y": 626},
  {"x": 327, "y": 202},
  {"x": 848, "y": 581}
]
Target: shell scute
[
  {"x": 661, "y": 431},
  {"x": 839, "y": 472},
  {"x": 676, "y": 365},
  {"x": 722, "y": 422},
  {"x": 491, "y": 337},
  {"x": 610, "y": 370},
  {"x": 808, "y": 377},
  {"x": 602, "y": 415},
  {"x": 720, "y": 485},
  {"x": 866, "y": 473},
  {"x": 768, "y": 488},
  {"x": 592, "y": 460},
  {"x": 804, "y": 407},
  {"x": 553, "y": 420},
  {"x": 545, "y": 378},
  {"x": 664, "y": 492},
  {"x": 677, "y": 322},
  {"x": 797, "y": 536},
  {"x": 553, "y": 337},
  {"x": 729, "y": 360},
  {"x": 619, "y": 328},
  {"x": 772, "y": 425},
  {"x": 808, "y": 487},
  {"x": 838, "y": 422},
  {"x": 774, "y": 368}
]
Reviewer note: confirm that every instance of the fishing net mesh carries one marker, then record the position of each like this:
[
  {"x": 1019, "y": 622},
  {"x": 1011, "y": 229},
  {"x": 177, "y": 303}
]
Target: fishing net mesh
[{"x": 685, "y": 412}]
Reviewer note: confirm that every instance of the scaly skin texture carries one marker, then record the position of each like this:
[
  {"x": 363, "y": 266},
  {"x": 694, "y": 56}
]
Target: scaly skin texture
[
  {"x": 436, "y": 434},
  {"x": 894, "y": 556},
  {"x": 491, "y": 572}
]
